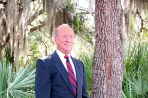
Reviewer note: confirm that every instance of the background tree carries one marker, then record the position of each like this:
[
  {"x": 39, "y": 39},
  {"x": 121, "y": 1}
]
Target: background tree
[
  {"x": 18, "y": 18},
  {"x": 108, "y": 58}
]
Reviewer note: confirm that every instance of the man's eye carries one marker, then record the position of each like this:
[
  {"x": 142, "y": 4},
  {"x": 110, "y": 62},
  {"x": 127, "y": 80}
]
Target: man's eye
[{"x": 67, "y": 36}]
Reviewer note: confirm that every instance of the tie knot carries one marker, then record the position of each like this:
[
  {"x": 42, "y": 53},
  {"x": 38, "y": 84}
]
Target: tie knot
[{"x": 67, "y": 58}]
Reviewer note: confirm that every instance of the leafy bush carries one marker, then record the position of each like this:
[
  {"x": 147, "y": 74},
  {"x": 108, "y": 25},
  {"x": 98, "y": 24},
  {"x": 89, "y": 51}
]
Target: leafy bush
[
  {"x": 135, "y": 80},
  {"x": 87, "y": 59}
]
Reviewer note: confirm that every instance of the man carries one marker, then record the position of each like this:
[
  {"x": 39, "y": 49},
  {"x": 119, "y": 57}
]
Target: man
[{"x": 60, "y": 75}]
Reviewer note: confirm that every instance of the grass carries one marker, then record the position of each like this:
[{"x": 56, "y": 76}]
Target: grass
[{"x": 135, "y": 80}]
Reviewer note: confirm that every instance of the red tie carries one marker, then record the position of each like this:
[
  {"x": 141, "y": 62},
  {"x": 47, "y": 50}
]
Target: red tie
[{"x": 71, "y": 75}]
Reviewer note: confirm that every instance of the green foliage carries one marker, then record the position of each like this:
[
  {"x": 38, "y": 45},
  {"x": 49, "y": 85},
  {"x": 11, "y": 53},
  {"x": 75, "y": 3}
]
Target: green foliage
[
  {"x": 40, "y": 44},
  {"x": 34, "y": 42},
  {"x": 77, "y": 19},
  {"x": 16, "y": 84},
  {"x": 81, "y": 28},
  {"x": 87, "y": 59},
  {"x": 79, "y": 23},
  {"x": 3, "y": 78},
  {"x": 85, "y": 53},
  {"x": 135, "y": 80},
  {"x": 8, "y": 56},
  {"x": 70, "y": 7}
]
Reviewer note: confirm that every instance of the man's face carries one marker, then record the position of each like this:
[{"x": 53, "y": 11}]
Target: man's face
[{"x": 64, "y": 40}]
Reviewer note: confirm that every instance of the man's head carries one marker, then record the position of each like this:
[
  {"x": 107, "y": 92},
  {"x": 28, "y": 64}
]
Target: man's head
[{"x": 64, "y": 38}]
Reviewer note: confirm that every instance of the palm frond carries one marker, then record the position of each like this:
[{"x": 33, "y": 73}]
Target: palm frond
[{"x": 16, "y": 84}]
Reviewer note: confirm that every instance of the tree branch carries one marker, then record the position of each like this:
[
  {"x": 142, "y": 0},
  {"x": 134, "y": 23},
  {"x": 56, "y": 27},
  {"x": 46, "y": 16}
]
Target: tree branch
[
  {"x": 34, "y": 16},
  {"x": 37, "y": 27}
]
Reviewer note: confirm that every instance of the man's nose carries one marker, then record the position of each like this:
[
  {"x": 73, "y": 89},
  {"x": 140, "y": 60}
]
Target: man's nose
[{"x": 68, "y": 39}]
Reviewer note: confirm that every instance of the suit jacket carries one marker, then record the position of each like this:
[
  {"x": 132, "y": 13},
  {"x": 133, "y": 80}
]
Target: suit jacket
[{"x": 52, "y": 79}]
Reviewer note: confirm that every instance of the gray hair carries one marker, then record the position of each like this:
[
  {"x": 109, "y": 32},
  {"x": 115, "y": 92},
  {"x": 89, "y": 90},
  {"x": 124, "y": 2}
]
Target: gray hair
[{"x": 60, "y": 26}]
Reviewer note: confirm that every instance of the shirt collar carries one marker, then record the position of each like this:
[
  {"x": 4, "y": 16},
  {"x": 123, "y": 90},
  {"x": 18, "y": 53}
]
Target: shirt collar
[{"x": 61, "y": 54}]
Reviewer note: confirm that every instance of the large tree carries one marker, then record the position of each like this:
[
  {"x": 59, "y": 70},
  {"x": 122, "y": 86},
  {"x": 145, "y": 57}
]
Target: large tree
[
  {"x": 16, "y": 17},
  {"x": 108, "y": 57}
]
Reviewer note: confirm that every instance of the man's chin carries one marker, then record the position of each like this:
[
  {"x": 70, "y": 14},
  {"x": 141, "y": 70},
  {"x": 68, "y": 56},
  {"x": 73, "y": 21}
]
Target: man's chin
[{"x": 67, "y": 51}]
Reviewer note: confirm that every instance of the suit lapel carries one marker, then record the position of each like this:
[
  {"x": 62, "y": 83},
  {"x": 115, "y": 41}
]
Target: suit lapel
[{"x": 59, "y": 65}]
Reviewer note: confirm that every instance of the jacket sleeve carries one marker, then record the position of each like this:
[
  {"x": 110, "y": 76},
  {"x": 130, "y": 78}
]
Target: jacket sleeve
[
  {"x": 84, "y": 92},
  {"x": 42, "y": 80}
]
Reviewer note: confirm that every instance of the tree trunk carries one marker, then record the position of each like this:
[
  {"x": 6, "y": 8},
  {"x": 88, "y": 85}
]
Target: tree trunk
[
  {"x": 108, "y": 59},
  {"x": 14, "y": 26},
  {"x": 15, "y": 20}
]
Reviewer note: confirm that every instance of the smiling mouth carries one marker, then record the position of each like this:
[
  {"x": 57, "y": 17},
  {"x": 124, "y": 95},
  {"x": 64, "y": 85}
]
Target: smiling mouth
[{"x": 68, "y": 44}]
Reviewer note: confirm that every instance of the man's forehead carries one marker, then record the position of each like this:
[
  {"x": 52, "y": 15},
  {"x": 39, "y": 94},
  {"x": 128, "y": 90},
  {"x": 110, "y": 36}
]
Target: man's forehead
[{"x": 65, "y": 29}]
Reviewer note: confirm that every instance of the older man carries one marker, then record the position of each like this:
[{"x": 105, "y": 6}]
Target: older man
[{"x": 59, "y": 75}]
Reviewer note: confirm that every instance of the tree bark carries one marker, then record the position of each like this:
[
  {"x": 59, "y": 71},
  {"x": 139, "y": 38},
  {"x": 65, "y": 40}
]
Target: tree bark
[
  {"x": 108, "y": 58},
  {"x": 15, "y": 15}
]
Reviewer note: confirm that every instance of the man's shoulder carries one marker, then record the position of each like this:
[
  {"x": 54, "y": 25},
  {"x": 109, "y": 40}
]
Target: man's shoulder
[
  {"x": 47, "y": 57},
  {"x": 77, "y": 60}
]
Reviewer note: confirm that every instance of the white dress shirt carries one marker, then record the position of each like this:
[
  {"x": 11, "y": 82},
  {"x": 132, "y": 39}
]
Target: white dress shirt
[{"x": 61, "y": 55}]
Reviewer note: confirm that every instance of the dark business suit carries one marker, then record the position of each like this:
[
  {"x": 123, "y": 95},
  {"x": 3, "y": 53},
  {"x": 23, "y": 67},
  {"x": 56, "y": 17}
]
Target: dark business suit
[{"x": 52, "y": 79}]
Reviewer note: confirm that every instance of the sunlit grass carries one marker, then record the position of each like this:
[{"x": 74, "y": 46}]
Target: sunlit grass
[{"x": 135, "y": 80}]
